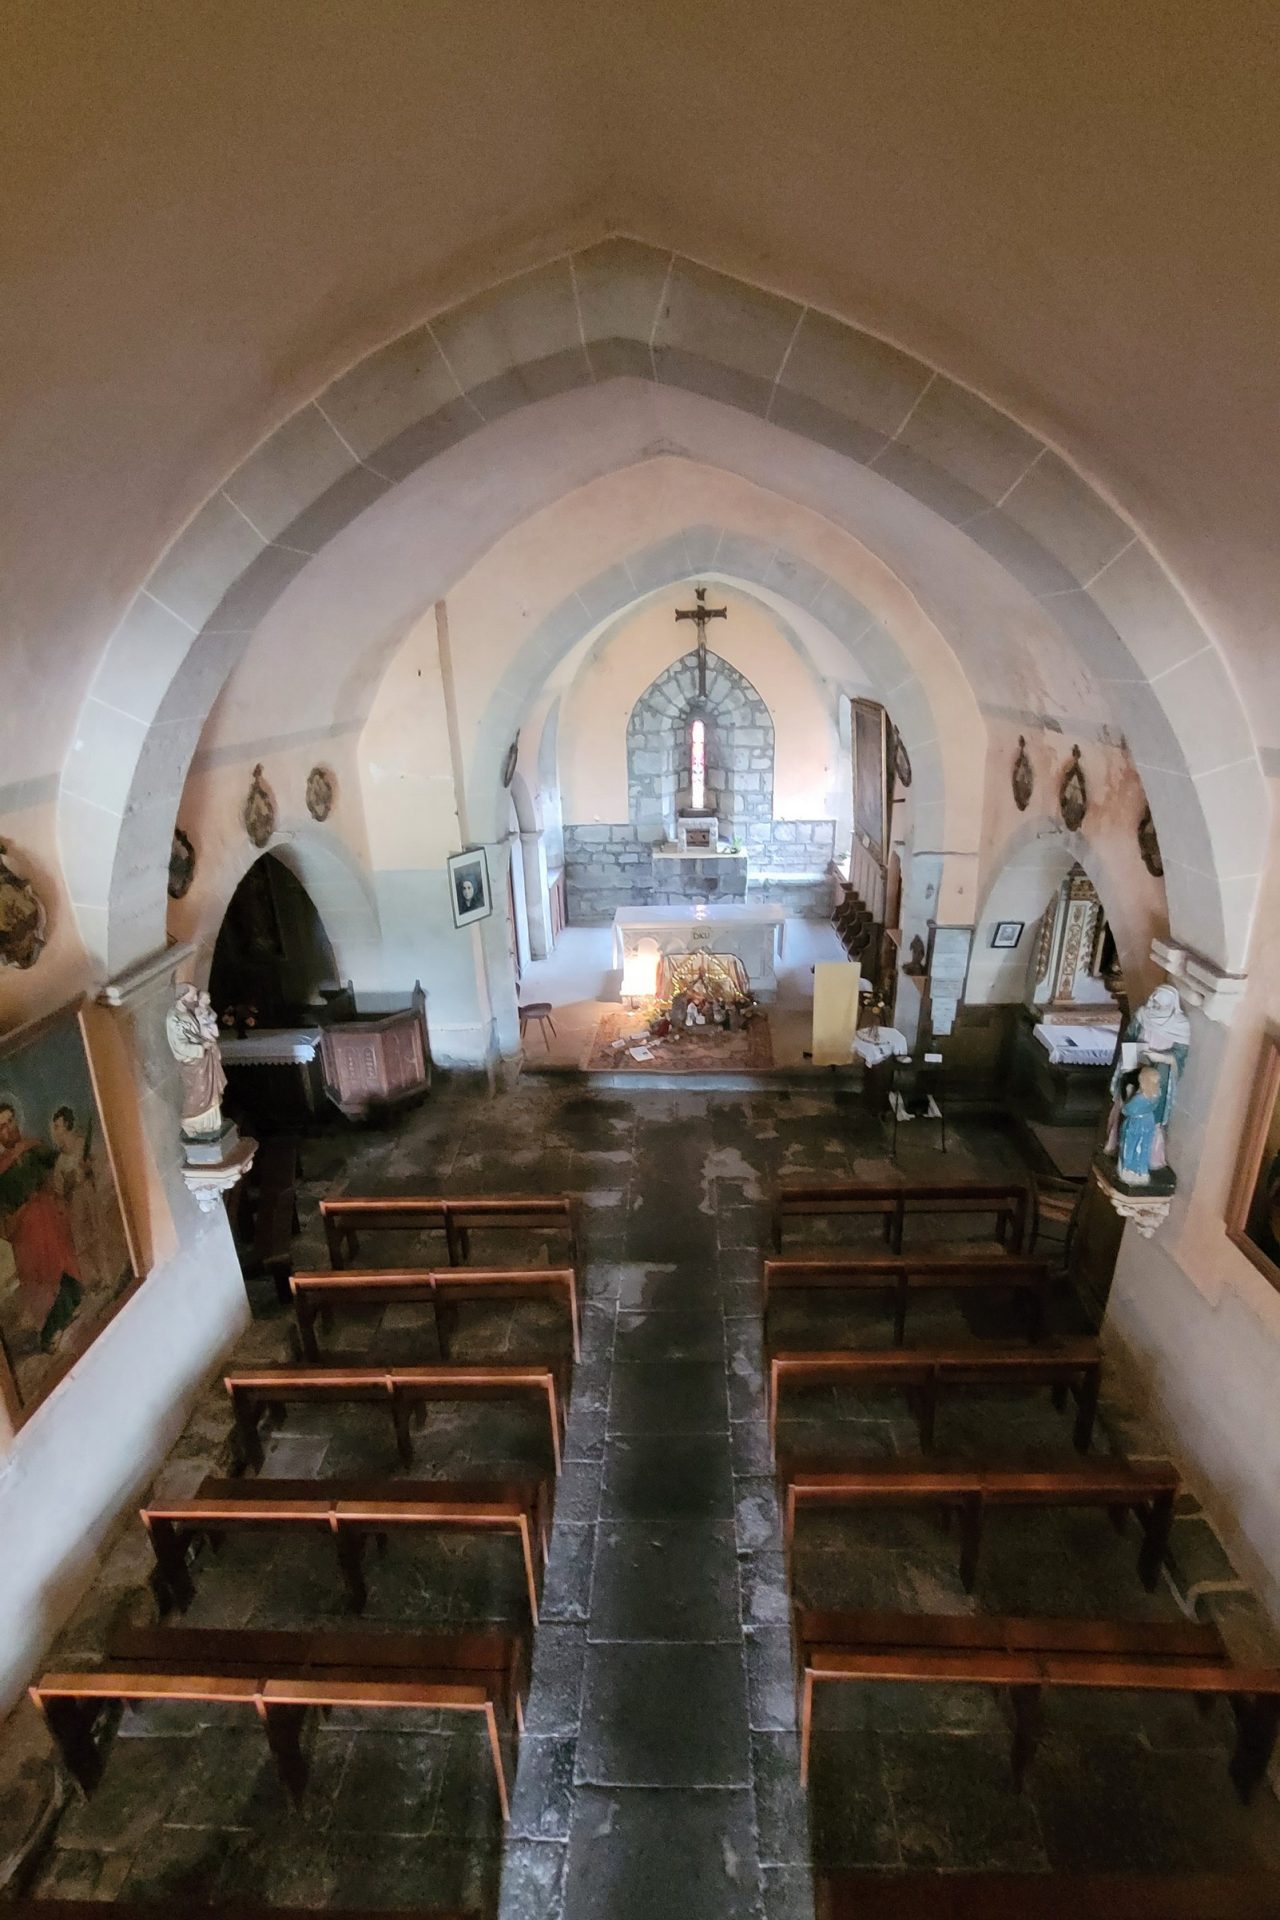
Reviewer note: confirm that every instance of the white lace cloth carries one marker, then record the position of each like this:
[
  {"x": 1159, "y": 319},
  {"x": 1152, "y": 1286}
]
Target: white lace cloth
[{"x": 1077, "y": 1046}]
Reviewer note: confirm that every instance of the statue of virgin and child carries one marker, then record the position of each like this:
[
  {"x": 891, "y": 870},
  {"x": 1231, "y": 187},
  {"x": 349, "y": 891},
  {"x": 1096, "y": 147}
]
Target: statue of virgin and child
[{"x": 1144, "y": 1088}]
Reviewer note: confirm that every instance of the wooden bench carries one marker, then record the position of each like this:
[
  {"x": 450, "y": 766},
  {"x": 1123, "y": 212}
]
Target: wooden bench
[
  {"x": 349, "y": 1511},
  {"x": 281, "y": 1675},
  {"x": 399, "y": 1389},
  {"x": 922, "y": 1372},
  {"x": 316, "y": 1295},
  {"x": 1121, "y": 1486},
  {"x": 1007, "y": 1201},
  {"x": 41, "y": 1909},
  {"x": 1044, "y": 1896},
  {"x": 901, "y": 1275},
  {"x": 1026, "y": 1657},
  {"x": 456, "y": 1217}
]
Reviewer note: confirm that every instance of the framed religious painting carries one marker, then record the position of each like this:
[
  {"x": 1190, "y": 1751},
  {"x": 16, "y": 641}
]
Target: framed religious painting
[
  {"x": 870, "y": 777},
  {"x": 1253, "y": 1222},
  {"x": 469, "y": 893},
  {"x": 65, "y": 1260},
  {"x": 1006, "y": 934}
]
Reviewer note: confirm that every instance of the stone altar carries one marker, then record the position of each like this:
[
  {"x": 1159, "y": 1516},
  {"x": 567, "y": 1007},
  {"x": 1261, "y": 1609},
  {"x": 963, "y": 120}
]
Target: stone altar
[{"x": 754, "y": 934}]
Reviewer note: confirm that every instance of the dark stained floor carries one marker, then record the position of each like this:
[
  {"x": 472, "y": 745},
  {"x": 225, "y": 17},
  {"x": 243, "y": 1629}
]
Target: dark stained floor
[{"x": 658, "y": 1772}]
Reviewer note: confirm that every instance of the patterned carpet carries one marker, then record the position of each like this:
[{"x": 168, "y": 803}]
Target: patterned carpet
[{"x": 704, "y": 1050}]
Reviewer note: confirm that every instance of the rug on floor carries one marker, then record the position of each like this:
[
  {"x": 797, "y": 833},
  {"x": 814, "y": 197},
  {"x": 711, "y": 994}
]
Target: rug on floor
[{"x": 704, "y": 1050}]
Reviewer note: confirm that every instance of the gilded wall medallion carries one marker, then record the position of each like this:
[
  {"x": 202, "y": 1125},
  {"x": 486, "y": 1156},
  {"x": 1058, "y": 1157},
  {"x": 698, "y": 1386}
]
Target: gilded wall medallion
[
  {"x": 322, "y": 791},
  {"x": 182, "y": 865},
  {"x": 1149, "y": 846},
  {"x": 1073, "y": 794},
  {"x": 259, "y": 810},
  {"x": 1024, "y": 778},
  {"x": 22, "y": 919}
]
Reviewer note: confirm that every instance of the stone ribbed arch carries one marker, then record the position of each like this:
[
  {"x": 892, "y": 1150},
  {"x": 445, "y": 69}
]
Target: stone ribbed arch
[
  {"x": 623, "y": 309},
  {"x": 947, "y": 772}
]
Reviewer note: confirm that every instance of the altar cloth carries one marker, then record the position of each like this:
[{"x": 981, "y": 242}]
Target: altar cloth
[{"x": 753, "y": 934}]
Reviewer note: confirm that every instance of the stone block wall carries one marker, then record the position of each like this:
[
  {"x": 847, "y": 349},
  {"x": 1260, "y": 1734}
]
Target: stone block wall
[
  {"x": 739, "y": 747},
  {"x": 607, "y": 866}
]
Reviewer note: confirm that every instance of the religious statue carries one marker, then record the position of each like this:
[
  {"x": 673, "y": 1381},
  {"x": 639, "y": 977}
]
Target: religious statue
[
  {"x": 1144, "y": 1087},
  {"x": 191, "y": 1028},
  {"x": 1138, "y": 1128}
]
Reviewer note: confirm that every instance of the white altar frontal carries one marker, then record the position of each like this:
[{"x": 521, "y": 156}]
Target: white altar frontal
[{"x": 753, "y": 933}]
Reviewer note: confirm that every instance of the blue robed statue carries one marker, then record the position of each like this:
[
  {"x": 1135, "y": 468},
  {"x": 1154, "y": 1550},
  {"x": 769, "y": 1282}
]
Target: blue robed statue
[{"x": 1144, "y": 1085}]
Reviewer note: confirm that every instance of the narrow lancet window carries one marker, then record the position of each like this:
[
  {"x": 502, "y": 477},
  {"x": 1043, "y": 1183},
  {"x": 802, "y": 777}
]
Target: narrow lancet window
[{"x": 698, "y": 765}]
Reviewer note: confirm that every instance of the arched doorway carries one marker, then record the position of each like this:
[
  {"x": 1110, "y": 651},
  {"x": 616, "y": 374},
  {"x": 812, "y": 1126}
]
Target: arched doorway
[{"x": 272, "y": 954}]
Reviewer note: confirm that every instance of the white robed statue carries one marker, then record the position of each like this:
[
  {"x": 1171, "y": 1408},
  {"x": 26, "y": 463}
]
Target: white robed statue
[
  {"x": 191, "y": 1028},
  {"x": 1144, "y": 1084}
]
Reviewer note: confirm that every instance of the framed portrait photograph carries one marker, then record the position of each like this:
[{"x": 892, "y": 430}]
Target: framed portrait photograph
[
  {"x": 1007, "y": 933},
  {"x": 65, "y": 1261},
  {"x": 1253, "y": 1223},
  {"x": 469, "y": 892}
]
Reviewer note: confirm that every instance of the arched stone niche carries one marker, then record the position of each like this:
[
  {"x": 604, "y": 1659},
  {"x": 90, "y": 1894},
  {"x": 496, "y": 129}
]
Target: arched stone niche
[{"x": 739, "y": 752}]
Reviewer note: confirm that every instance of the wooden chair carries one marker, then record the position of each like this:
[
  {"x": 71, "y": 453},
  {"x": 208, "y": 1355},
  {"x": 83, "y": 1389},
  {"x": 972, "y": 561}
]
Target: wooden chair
[
  {"x": 316, "y": 1295},
  {"x": 922, "y": 1373},
  {"x": 1119, "y": 1486},
  {"x": 539, "y": 1011},
  {"x": 399, "y": 1389},
  {"x": 1044, "y": 1896},
  {"x": 1026, "y": 1658},
  {"x": 283, "y": 1675},
  {"x": 1006, "y": 1201},
  {"x": 1055, "y": 1205},
  {"x": 456, "y": 1216},
  {"x": 348, "y": 1511},
  {"x": 901, "y": 1275}
]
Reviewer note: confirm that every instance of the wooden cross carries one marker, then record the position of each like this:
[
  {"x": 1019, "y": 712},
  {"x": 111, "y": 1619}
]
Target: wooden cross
[{"x": 702, "y": 613}]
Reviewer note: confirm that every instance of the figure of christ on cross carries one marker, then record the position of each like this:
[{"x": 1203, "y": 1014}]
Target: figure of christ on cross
[{"x": 702, "y": 613}]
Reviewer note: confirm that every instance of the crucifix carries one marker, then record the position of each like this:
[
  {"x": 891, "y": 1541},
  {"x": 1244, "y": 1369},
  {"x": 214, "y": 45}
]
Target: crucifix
[{"x": 702, "y": 613}]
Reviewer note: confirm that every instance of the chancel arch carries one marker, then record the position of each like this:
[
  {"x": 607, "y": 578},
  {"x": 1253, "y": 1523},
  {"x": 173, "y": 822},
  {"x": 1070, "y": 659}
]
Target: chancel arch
[{"x": 606, "y": 319}]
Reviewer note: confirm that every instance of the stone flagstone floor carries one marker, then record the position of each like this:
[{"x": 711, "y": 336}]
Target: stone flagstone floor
[{"x": 658, "y": 1772}]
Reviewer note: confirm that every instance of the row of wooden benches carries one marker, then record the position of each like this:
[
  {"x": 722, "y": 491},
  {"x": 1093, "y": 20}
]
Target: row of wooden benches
[
  {"x": 282, "y": 1676},
  {"x": 317, "y": 1296},
  {"x": 1010, "y": 1205},
  {"x": 347, "y": 1218},
  {"x": 887, "y": 1896},
  {"x": 1023, "y": 1658}
]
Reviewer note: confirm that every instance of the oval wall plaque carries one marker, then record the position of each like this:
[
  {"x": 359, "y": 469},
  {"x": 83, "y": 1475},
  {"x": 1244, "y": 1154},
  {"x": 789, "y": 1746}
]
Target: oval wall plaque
[
  {"x": 259, "y": 810},
  {"x": 1073, "y": 795},
  {"x": 1024, "y": 777}
]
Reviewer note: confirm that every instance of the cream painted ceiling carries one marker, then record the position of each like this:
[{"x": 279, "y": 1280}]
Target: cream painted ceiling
[{"x": 207, "y": 211}]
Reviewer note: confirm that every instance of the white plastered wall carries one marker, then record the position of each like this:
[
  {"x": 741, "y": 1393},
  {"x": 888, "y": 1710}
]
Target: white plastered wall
[{"x": 1195, "y": 1322}]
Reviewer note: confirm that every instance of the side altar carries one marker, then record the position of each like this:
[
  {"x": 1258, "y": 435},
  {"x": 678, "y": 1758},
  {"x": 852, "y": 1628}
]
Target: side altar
[{"x": 753, "y": 934}]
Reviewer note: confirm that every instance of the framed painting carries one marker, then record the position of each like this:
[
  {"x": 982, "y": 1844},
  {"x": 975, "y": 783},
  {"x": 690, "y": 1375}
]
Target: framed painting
[
  {"x": 469, "y": 892},
  {"x": 1007, "y": 934},
  {"x": 1253, "y": 1223},
  {"x": 65, "y": 1260},
  {"x": 870, "y": 777}
]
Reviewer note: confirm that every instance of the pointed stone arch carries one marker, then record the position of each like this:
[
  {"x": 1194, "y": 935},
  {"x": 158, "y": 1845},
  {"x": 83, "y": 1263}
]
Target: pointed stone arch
[{"x": 624, "y": 311}]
